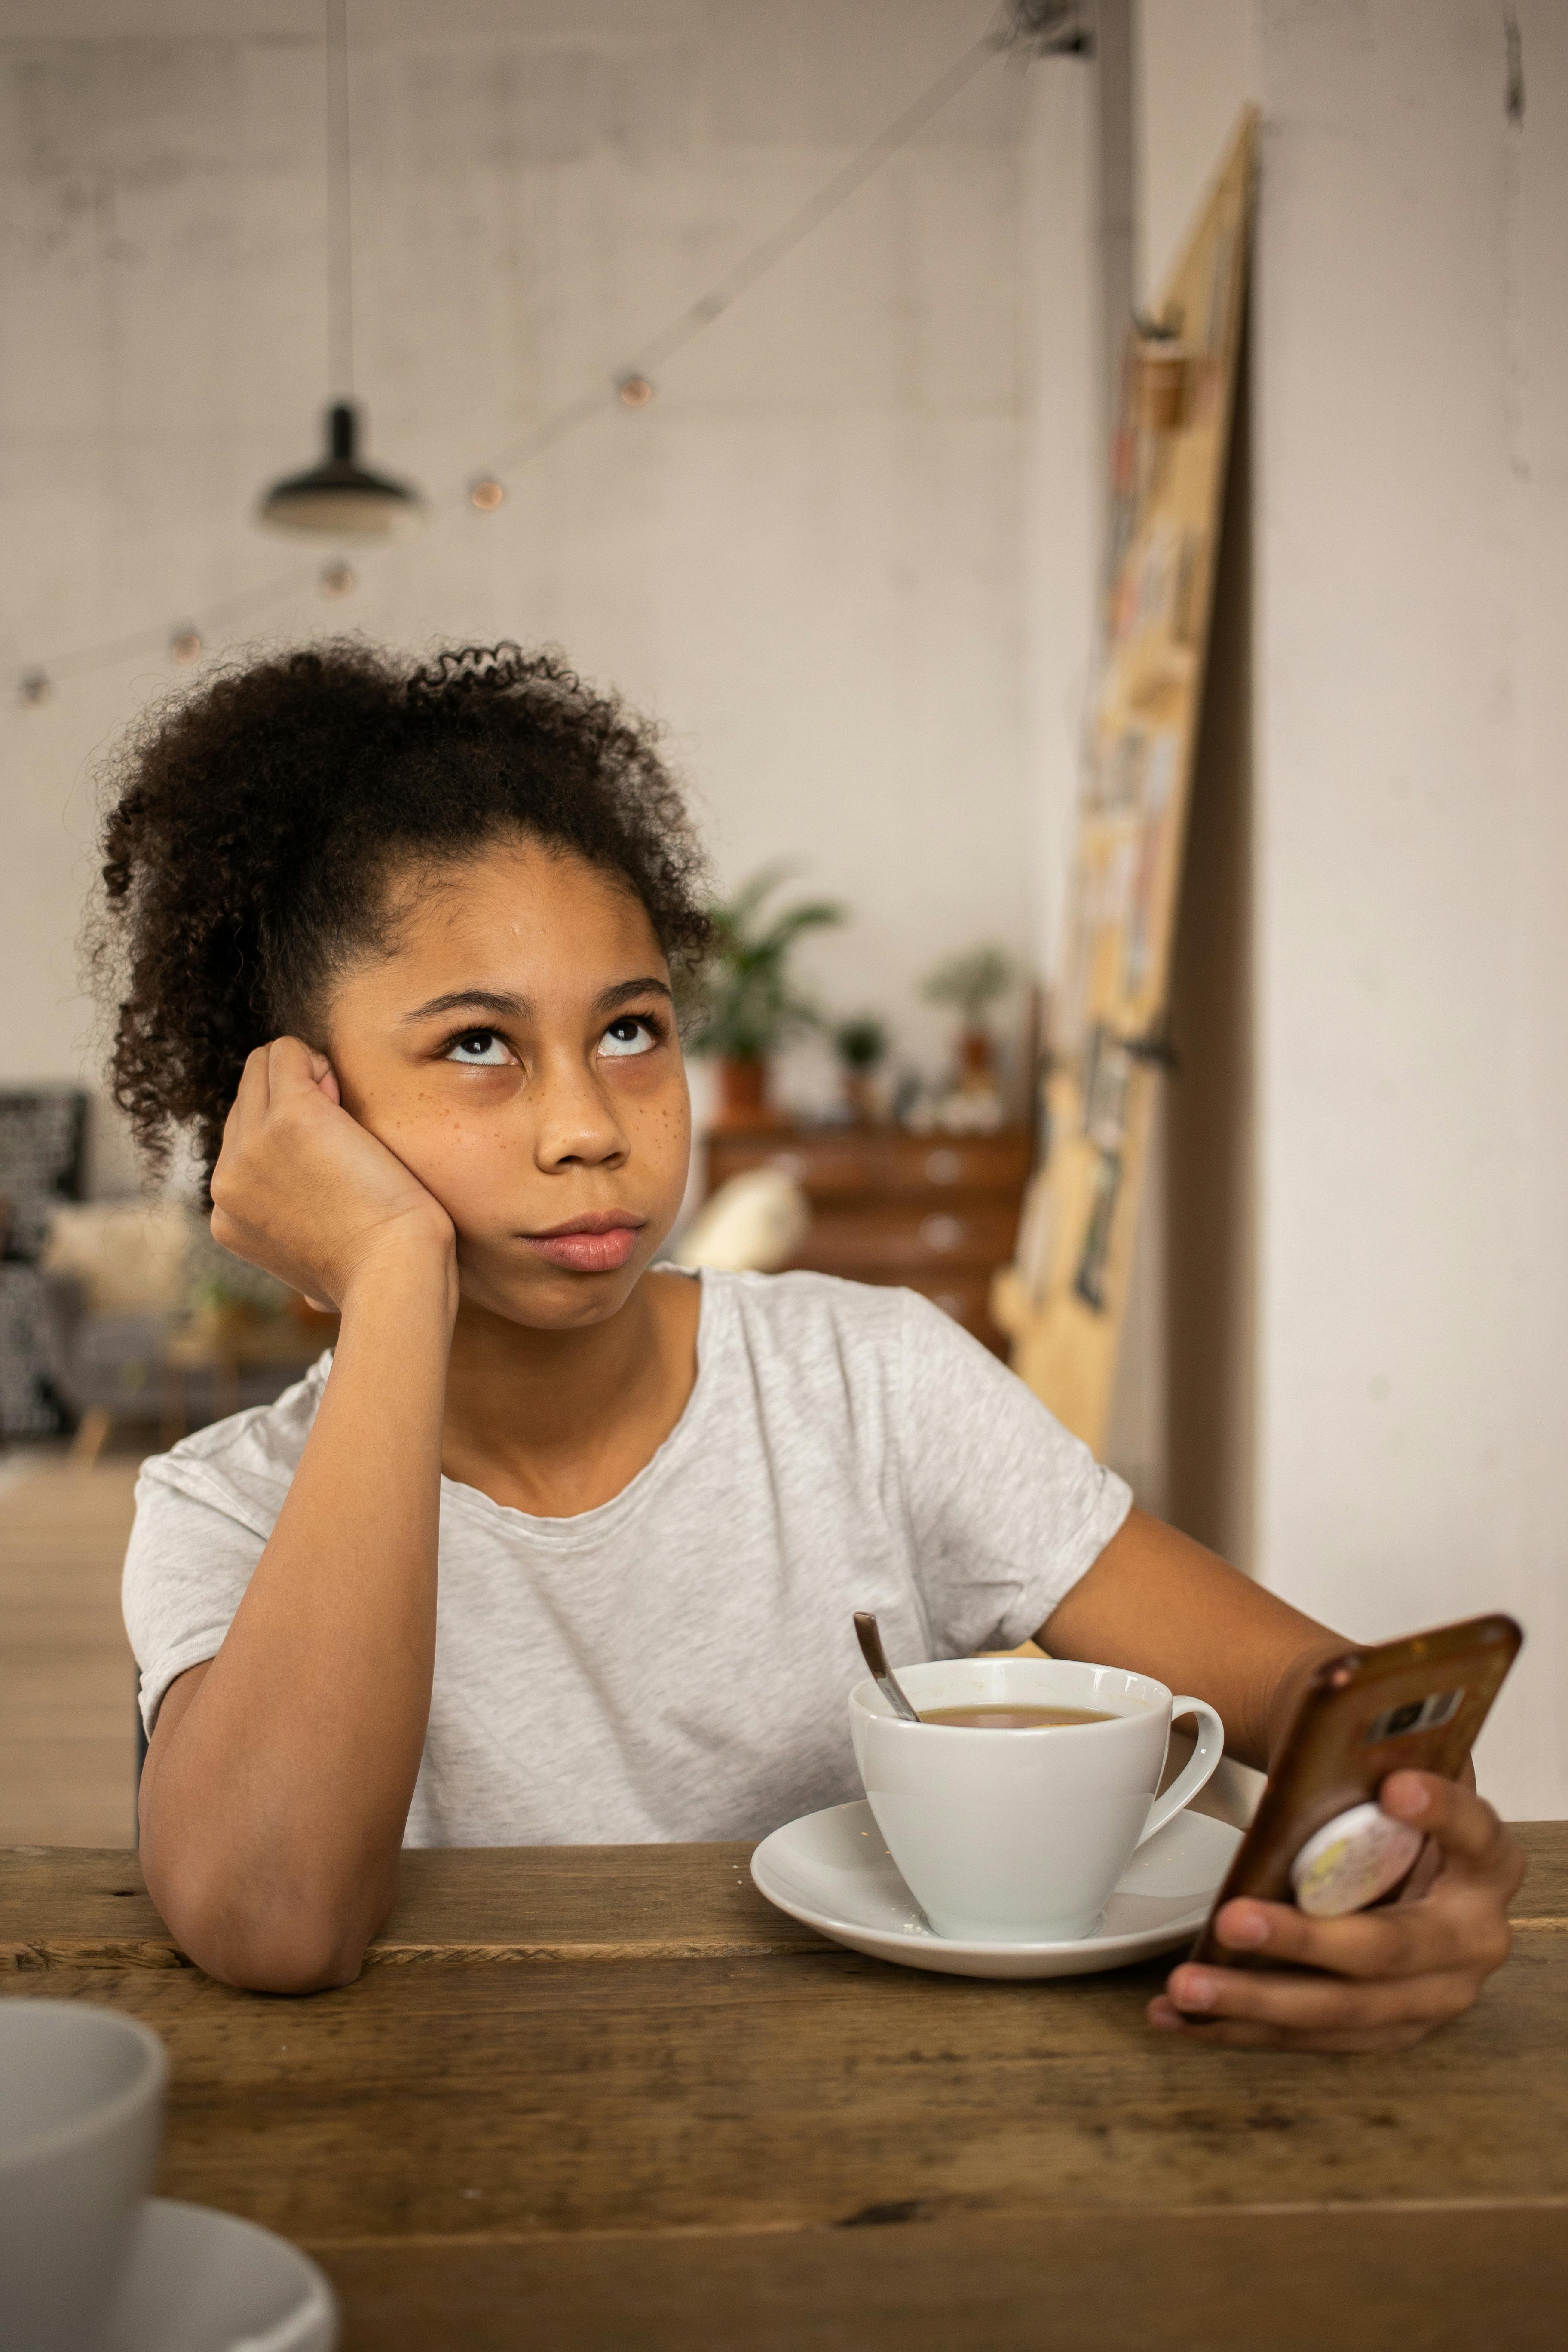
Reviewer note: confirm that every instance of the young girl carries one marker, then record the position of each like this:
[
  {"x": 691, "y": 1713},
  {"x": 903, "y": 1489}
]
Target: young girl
[{"x": 558, "y": 1545}]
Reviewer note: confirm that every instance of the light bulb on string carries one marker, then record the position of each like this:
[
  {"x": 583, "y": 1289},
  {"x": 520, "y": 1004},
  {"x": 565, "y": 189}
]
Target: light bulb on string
[
  {"x": 487, "y": 493},
  {"x": 185, "y": 646},
  {"x": 36, "y": 687},
  {"x": 338, "y": 579},
  {"x": 635, "y": 391}
]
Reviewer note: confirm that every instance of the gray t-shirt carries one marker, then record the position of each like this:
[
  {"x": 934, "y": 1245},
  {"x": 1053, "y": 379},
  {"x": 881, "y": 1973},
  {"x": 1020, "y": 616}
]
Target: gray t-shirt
[{"x": 675, "y": 1663}]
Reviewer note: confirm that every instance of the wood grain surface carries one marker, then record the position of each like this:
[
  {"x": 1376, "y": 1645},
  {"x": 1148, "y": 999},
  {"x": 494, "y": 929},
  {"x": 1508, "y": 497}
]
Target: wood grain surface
[
  {"x": 1358, "y": 2281},
  {"x": 79, "y": 1907},
  {"x": 676, "y": 2118}
]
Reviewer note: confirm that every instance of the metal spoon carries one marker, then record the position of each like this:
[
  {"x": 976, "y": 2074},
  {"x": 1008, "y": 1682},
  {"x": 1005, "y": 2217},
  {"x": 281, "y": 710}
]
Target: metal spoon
[{"x": 871, "y": 1650}]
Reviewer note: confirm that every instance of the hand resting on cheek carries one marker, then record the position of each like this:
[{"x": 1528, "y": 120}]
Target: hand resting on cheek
[{"x": 304, "y": 1192}]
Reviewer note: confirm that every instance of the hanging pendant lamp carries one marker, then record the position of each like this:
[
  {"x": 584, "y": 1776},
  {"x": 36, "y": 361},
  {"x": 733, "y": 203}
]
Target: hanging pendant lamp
[{"x": 339, "y": 498}]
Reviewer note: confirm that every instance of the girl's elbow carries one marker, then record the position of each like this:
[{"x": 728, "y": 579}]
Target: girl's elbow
[
  {"x": 277, "y": 1946},
  {"x": 298, "y": 1958}
]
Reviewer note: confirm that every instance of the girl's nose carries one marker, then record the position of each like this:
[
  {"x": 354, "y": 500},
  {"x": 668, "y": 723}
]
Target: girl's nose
[{"x": 576, "y": 1121}]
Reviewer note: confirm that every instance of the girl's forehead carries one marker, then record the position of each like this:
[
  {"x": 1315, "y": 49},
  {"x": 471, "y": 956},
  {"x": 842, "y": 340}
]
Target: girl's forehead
[
  {"x": 538, "y": 900},
  {"x": 511, "y": 918}
]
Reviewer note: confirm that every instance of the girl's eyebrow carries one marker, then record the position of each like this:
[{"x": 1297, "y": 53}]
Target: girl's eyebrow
[
  {"x": 626, "y": 989},
  {"x": 516, "y": 1008},
  {"x": 462, "y": 1000}
]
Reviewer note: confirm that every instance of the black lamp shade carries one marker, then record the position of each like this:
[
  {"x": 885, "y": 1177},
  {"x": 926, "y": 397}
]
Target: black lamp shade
[{"x": 340, "y": 498}]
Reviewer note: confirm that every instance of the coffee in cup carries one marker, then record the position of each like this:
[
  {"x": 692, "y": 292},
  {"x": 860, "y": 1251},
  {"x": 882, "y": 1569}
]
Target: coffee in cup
[
  {"x": 1016, "y": 1833},
  {"x": 996, "y": 1714}
]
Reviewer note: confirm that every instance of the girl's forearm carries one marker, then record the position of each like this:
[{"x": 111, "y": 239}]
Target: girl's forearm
[
  {"x": 273, "y": 1806},
  {"x": 1157, "y": 1601}
]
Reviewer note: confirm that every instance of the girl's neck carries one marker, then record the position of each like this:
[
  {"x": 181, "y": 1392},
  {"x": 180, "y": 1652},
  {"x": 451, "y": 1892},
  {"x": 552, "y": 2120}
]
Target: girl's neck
[{"x": 556, "y": 1422}]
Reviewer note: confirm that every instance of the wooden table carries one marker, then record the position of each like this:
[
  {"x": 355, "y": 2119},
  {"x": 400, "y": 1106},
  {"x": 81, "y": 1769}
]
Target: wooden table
[{"x": 597, "y": 2097}]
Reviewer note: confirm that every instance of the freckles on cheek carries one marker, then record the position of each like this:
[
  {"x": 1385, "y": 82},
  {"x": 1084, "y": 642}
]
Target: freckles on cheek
[{"x": 440, "y": 1142}]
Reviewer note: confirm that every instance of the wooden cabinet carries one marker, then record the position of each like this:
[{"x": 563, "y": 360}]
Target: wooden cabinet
[{"x": 935, "y": 1213}]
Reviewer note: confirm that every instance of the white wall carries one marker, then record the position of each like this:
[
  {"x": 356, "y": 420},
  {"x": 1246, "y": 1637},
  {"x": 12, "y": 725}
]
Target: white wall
[
  {"x": 805, "y": 555},
  {"x": 1061, "y": 504},
  {"x": 1197, "y": 65},
  {"x": 1413, "y": 378}
]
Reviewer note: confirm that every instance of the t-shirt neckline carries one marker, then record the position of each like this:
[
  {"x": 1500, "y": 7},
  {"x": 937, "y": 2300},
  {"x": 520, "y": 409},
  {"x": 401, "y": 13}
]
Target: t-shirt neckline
[{"x": 587, "y": 1527}]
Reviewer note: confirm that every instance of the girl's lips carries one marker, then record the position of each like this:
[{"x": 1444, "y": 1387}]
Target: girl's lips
[{"x": 586, "y": 1253}]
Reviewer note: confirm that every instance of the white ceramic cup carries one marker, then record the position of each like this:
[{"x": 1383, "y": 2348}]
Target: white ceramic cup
[
  {"x": 1014, "y": 1837},
  {"x": 81, "y": 2109}
]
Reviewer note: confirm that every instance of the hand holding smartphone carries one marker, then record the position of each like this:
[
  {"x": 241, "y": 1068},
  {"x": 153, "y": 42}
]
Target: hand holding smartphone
[{"x": 1319, "y": 1838}]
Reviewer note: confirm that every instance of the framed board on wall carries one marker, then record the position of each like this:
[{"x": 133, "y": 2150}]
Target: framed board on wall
[{"x": 1064, "y": 1298}]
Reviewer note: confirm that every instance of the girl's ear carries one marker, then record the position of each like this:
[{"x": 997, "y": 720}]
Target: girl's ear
[{"x": 326, "y": 1077}]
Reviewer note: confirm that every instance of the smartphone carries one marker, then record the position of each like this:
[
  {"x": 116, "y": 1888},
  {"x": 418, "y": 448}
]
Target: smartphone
[{"x": 1419, "y": 1703}]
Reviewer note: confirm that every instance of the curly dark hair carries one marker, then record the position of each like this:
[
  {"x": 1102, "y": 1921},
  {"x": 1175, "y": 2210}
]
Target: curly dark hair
[{"x": 256, "y": 819}]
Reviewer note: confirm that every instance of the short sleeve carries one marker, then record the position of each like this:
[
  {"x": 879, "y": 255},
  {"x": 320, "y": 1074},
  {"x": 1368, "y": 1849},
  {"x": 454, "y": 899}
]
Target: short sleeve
[
  {"x": 1007, "y": 1509},
  {"x": 186, "y": 1569}
]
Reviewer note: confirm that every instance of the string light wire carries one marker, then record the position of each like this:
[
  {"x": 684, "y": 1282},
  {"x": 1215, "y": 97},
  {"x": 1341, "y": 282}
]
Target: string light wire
[{"x": 683, "y": 330}]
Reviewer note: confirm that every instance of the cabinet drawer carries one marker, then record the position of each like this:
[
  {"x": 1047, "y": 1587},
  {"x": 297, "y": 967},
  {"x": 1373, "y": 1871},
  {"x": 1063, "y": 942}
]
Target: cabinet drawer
[
  {"x": 832, "y": 1165},
  {"x": 896, "y": 1243}
]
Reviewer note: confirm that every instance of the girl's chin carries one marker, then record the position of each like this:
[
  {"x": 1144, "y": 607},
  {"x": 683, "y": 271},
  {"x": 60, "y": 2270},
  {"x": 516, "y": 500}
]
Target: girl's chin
[{"x": 544, "y": 1298}]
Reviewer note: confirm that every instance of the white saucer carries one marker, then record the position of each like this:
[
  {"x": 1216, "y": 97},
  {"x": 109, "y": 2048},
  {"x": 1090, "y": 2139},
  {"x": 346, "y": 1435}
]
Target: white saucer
[
  {"x": 203, "y": 2281},
  {"x": 832, "y": 1870}
]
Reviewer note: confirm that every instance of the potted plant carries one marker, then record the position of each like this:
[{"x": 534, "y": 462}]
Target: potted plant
[
  {"x": 860, "y": 1044},
  {"x": 971, "y": 982},
  {"x": 749, "y": 1005}
]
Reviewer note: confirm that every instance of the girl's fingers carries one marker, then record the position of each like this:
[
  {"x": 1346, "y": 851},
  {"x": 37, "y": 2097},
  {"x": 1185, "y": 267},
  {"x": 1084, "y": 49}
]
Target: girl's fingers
[
  {"x": 292, "y": 1067},
  {"x": 252, "y": 1097},
  {"x": 255, "y": 1095},
  {"x": 1474, "y": 1841},
  {"x": 1323, "y": 2004},
  {"x": 1458, "y": 1921},
  {"x": 1451, "y": 1926},
  {"x": 1384, "y": 1977}
]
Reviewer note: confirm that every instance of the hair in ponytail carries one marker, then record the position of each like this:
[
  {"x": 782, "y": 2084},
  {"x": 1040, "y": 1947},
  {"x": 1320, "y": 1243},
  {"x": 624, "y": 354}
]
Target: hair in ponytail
[{"x": 256, "y": 818}]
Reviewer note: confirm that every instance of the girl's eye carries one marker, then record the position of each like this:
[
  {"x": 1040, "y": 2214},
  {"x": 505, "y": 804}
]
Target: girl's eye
[
  {"x": 631, "y": 1034},
  {"x": 479, "y": 1048}
]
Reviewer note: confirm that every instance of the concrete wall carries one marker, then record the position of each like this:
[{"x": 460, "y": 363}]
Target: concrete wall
[
  {"x": 1412, "y": 859},
  {"x": 805, "y": 555}
]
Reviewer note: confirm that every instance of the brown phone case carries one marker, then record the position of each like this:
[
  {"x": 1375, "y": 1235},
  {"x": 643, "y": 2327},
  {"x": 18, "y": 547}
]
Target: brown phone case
[{"x": 1348, "y": 1736}]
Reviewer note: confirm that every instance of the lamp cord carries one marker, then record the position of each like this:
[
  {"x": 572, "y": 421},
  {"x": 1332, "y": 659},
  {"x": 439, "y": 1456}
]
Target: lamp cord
[{"x": 340, "y": 209}]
